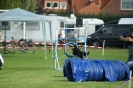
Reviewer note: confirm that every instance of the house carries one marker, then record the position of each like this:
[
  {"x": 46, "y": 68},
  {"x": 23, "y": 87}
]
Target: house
[
  {"x": 53, "y": 5},
  {"x": 108, "y": 6},
  {"x": 88, "y": 6}
]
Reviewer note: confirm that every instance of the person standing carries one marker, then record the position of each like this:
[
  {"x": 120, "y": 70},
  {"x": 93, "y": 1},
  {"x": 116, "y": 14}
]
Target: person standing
[
  {"x": 0, "y": 64},
  {"x": 129, "y": 39},
  {"x": 1, "y": 61},
  {"x": 62, "y": 33}
]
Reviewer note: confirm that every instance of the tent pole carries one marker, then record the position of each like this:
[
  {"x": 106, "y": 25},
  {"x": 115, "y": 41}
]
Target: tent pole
[
  {"x": 44, "y": 37},
  {"x": 24, "y": 29},
  {"x": 50, "y": 26}
]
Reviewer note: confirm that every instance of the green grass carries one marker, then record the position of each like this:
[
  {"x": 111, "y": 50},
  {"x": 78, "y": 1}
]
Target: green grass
[{"x": 33, "y": 71}]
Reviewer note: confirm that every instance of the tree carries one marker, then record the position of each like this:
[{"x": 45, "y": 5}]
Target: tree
[
  {"x": 25, "y": 4},
  {"x": 29, "y": 5},
  {"x": 33, "y": 6},
  {"x": 9, "y": 4}
]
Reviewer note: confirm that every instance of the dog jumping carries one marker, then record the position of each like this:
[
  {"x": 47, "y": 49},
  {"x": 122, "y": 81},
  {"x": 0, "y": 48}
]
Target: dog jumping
[{"x": 78, "y": 53}]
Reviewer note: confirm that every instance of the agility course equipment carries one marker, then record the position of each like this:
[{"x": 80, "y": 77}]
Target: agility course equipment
[
  {"x": 79, "y": 26},
  {"x": 56, "y": 62},
  {"x": 66, "y": 49},
  {"x": 95, "y": 70},
  {"x": 50, "y": 44}
]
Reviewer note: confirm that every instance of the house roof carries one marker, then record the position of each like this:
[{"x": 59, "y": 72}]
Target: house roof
[{"x": 95, "y": 6}]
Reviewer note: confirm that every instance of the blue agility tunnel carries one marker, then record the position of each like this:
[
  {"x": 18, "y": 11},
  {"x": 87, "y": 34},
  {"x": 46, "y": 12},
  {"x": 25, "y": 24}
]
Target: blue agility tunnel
[{"x": 95, "y": 70}]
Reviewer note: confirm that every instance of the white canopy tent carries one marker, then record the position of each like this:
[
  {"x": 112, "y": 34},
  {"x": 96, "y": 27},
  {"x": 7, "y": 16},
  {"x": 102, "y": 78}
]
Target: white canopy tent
[{"x": 20, "y": 15}]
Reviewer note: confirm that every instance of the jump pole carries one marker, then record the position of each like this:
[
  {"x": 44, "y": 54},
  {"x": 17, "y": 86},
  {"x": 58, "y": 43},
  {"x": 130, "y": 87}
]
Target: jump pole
[
  {"x": 86, "y": 26},
  {"x": 103, "y": 47},
  {"x": 129, "y": 84},
  {"x": 56, "y": 56}
]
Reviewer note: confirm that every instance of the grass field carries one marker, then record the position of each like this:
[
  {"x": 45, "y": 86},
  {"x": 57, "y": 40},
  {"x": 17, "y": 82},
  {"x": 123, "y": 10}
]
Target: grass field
[{"x": 33, "y": 71}]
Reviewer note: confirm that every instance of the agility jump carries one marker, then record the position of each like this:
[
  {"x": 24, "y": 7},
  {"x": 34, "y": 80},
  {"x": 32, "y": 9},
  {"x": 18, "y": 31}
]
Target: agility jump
[{"x": 56, "y": 58}]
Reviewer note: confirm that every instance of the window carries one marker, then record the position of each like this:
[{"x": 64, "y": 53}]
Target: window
[
  {"x": 55, "y": 5},
  {"x": 48, "y": 4},
  {"x": 107, "y": 29},
  {"x": 51, "y": 5},
  {"x": 63, "y": 5},
  {"x": 122, "y": 28},
  {"x": 126, "y": 4}
]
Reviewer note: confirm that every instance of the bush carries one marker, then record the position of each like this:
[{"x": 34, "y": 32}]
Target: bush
[{"x": 106, "y": 17}]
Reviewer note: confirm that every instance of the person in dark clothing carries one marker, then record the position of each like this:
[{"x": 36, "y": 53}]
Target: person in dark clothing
[
  {"x": 0, "y": 64},
  {"x": 129, "y": 39}
]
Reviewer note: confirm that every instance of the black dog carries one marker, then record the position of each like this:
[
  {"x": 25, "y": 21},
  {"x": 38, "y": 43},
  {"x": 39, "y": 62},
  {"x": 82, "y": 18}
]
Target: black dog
[{"x": 77, "y": 52}]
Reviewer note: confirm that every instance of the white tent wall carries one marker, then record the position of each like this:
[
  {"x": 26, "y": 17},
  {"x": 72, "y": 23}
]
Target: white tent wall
[
  {"x": 12, "y": 30},
  {"x": 55, "y": 24},
  {"x": 19, "y": 15},
  {"x": 33, "y": 30},
  {"x": 16, "y": 33},
  {"x": 36, "y": 35}
]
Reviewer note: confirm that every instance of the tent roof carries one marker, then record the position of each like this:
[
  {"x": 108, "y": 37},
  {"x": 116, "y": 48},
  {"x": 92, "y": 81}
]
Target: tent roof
[{"x": 18, "y": 14}]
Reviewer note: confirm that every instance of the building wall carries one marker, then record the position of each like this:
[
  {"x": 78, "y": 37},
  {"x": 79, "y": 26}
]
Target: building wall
[
  {"x": 115, "y": 7},
  {"x": 40, "y": 3},
  {"x": 54, "y": 9}
]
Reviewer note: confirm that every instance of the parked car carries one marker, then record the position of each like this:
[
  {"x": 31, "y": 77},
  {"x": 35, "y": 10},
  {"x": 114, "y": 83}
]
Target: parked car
[{"x": 110, "y": 33}]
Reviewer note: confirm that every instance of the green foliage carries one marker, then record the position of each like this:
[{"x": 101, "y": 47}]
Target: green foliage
[
  {"x": 106, "y": 17},
  {"x": 60, "y": 13},
  {"x": 9, "y": 4},
  {"x": 33, "y": 6},
  {"x": 25, "y": 4},
  {"x": 29, "y": 5}
]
